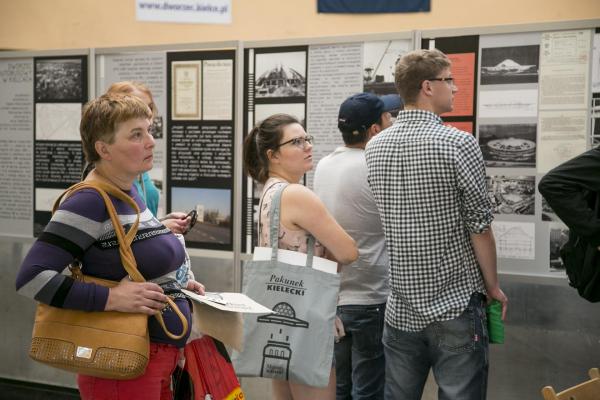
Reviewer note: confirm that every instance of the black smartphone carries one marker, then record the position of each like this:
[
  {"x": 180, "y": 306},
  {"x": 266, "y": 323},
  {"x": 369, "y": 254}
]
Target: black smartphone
[{"x": 193, "y": 214}]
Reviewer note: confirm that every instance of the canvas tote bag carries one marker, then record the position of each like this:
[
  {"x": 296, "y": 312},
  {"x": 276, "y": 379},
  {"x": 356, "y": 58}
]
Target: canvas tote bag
[
  {"x": 294, "y": 343},
  {"x": 104, "y": 344}
]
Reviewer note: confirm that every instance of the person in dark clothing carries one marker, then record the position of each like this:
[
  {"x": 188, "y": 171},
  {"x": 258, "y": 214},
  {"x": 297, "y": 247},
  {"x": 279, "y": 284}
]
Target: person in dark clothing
[{"x": 569, "y": 189}]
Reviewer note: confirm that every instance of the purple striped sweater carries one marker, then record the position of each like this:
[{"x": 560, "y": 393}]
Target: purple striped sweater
[{"x": 81, "y": 229}]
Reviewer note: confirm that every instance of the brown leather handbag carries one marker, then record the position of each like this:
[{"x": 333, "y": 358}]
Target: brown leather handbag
[{"x": 104, "y": 344}]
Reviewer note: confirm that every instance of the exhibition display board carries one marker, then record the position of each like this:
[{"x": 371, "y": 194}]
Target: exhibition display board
[
  {"x": 530, "y": 110},
  {"x": 530, "y": 94},
  {"x": 41, "y": 95},
  {"x": 194, "y": 92},
  {"x": 310, "y": 82}
]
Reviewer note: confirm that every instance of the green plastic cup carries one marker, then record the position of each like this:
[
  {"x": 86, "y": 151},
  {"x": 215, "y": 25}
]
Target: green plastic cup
[{"x": 495, "y": 323}]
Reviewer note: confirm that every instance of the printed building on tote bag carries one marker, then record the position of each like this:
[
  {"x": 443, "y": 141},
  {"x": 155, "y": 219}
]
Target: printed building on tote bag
[{"x": 277, "y": 352}]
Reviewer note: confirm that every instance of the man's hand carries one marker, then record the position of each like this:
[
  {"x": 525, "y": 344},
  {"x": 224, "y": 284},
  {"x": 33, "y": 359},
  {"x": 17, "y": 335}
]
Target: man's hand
[{"x": 497, "y": 294}]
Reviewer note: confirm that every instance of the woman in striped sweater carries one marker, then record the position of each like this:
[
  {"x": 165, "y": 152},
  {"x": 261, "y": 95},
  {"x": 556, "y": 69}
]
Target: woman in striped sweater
[{"x": 115, "y": 137}]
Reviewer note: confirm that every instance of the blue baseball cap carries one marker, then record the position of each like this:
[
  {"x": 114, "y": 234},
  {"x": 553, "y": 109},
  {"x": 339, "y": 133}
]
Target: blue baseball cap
[{"x": 358, "y": 112}]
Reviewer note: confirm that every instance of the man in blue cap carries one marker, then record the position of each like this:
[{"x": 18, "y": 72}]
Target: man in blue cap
[{"x": 341, "y": 182}]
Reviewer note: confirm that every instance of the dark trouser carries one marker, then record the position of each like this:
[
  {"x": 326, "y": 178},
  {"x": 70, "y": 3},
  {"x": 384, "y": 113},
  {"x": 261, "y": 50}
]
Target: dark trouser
[
  {"x": 359, "y": 359},
  {"x": 456, "y": 350}
]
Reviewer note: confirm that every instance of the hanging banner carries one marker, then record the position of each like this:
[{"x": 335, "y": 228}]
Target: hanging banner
[
  {"x": 373, "y": 6},
  {"x": 184, "y": 11}
]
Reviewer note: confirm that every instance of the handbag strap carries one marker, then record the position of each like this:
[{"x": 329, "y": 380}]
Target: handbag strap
[
  {"x": 125, "y": 239},
  {"x": 274, "y": 229}
]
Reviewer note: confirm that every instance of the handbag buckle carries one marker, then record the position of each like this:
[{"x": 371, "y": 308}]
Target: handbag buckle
[{"x": 83, "y": 352}]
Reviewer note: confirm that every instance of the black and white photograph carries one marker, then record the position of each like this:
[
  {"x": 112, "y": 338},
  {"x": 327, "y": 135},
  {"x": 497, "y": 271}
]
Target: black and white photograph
[
  {"x": 559, "y": 235},
  {"x": 58, "y": 79},
  {"x": 280, "y": 75},
  {"x": 505, "y": 65},
  {"x": 512, "y": 145},
  {"x": 379, "y": 62},
  {"x": 512, "y": 194},
  {"x": 156, "y": 129}
]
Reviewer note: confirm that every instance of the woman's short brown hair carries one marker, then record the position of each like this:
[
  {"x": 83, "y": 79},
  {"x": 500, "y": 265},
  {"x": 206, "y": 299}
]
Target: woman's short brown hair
[
  {"x": 101, "y": 117},
  {"x": 415, "y": 67},
  {"x": 265, "y": 136}
]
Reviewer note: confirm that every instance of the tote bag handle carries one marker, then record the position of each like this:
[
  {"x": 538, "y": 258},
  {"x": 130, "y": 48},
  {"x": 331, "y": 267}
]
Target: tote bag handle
[{"x": 274, "y": 229}]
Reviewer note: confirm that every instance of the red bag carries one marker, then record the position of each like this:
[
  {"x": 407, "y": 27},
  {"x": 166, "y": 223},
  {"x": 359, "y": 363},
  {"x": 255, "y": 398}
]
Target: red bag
[{"x": 207, "y": 372}]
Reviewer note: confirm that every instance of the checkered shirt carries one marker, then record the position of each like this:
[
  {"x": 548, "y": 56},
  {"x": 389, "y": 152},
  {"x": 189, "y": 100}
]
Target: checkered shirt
[{"x": 429, "y": 184}]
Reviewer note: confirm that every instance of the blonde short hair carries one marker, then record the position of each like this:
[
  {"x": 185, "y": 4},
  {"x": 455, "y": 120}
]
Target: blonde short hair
[{"x": 128, "y": 87}]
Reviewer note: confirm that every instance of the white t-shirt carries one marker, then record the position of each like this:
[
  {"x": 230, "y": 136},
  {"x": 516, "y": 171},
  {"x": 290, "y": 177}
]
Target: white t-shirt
[{"x": 340, "y": 181}]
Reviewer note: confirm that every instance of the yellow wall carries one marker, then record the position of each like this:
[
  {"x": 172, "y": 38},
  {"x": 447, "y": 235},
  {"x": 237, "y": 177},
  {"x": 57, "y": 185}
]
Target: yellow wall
[{"x": 62, "y": 24}]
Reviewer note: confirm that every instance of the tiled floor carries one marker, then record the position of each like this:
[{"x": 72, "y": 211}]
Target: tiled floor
[
  {"x": 260, "y": 389},
  {"x": 254, "y": 389}
]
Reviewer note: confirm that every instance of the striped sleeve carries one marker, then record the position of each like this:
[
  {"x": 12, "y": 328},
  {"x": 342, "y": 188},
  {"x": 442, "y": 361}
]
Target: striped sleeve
[{"x": 73, "y": 229}]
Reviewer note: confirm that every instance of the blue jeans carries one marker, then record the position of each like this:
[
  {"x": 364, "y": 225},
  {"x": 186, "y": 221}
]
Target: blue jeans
[
  {"x": 359, "y": 359},
  {"x": 456, "y": 350}
]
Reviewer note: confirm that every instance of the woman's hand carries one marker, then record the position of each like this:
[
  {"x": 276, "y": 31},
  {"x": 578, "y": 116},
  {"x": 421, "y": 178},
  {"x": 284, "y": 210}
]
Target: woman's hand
[
  {"x": 195, "y": 287},
  {"x": 177, "y": 222},
  {"x": 136, "y": 297}
]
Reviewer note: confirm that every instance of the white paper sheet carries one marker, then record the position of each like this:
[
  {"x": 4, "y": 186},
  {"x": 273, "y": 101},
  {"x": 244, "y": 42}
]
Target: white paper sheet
[
  {"x": 562, "y": 136},
  {"x": 508, "y": 103},
  {"x": 564, "y": 69},
  {"x": 515, "y": 239},
  {"x": 335, "y": 72},
  {"x": 234, "y": 302},
  {"x": 217, "y": 88},
  {"x": 57, "y": 121},
  {"x": 295, "y": 258},
  {"x": 45, "y": 198},
  {"x": 596, "y": 64}
]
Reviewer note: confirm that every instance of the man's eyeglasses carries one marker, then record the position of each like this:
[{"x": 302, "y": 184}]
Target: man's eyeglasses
[
  {"x": 449, "y": 81},
  {"x": 299, "y": 141}
]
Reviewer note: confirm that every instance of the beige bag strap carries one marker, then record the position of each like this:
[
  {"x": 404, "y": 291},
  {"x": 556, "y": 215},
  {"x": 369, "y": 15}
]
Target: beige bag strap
[{"x": 125, "y": 239}]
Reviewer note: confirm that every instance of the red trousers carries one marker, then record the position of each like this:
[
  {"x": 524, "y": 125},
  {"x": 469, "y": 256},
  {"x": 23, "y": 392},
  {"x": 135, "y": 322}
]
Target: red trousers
[{"x": 155, "y": 384}]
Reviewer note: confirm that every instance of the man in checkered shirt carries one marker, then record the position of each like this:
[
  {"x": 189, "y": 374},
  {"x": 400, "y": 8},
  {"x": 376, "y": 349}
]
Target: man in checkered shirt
[{"x": 429, "y": 184}]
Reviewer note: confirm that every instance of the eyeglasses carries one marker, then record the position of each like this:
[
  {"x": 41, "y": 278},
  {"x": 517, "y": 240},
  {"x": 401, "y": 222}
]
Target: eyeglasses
[
  {"x": 449, "y": 81},
  {"x": 299, "y": 141}
]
